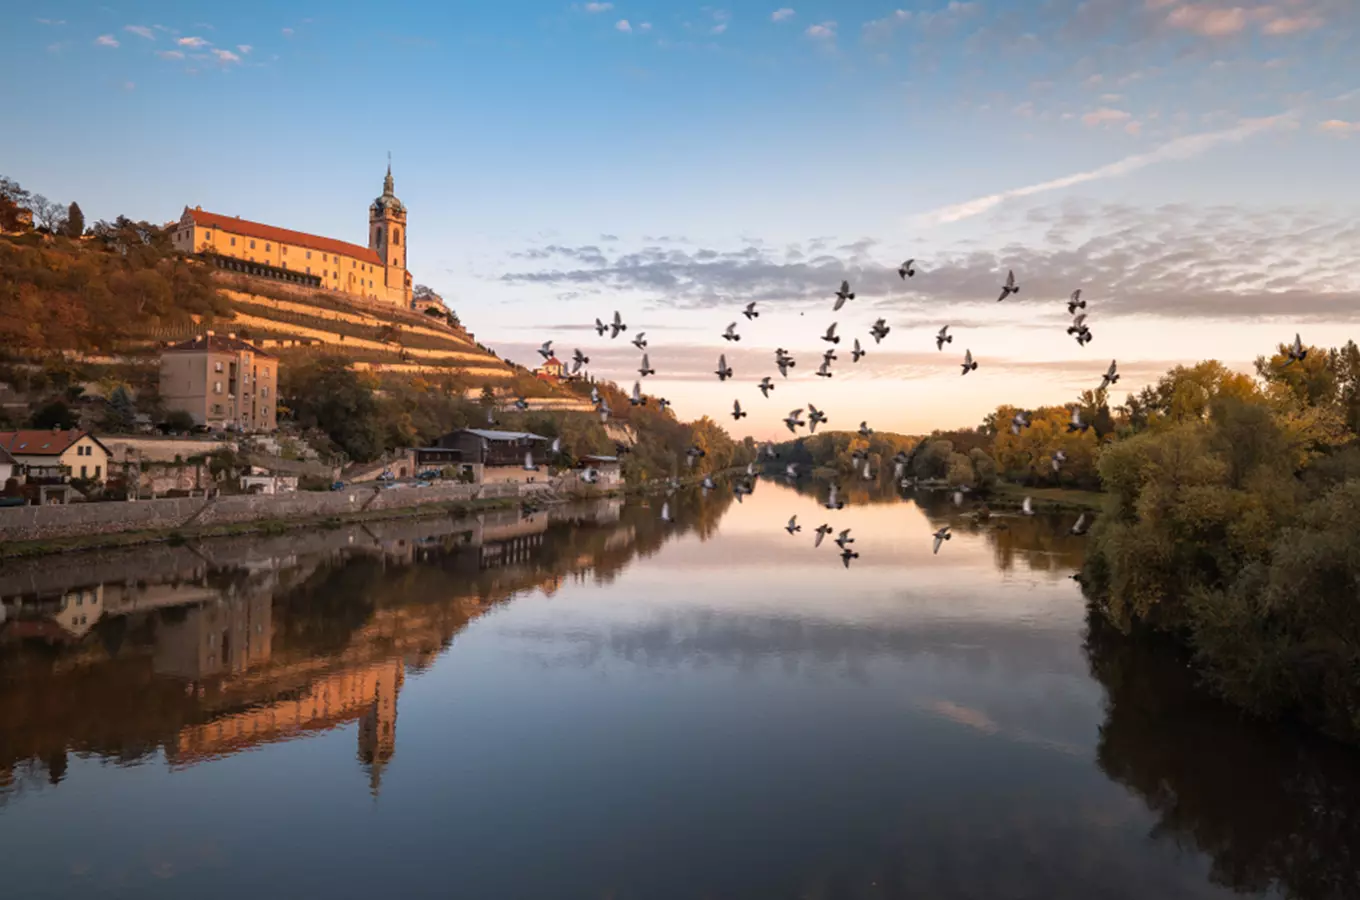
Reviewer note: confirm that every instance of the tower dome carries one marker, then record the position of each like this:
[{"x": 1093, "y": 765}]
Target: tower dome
[{"x": 388, "y": 200}]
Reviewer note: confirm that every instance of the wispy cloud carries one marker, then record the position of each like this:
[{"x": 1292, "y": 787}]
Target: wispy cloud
[
  {"x": 779, "y": 15},
  {"x": 1339, "y": 126},
  {"x": 194, "y": 42},
  {"x": 1208, "y": 21},
  {"x": 244, "y": 49},
  {"x": 140, "y": 31},
  {"x": 53, "y": 22},
  {"x": 286, "y": 32},
  {"x": 1179, "y": 148},
  {"x": 880, "y": 29},
  {"x": 598, "y": 7},
  {"x": 624, "y": 26},
  {"x": 106, "y": 40},
  {"x": 170, "y": 54},
  {"x": 1106, "y": 116},
  {"x": 226, "y": 56},
  {"x": 1292, "y": 24},
  {"x": 823, "y": 31}
]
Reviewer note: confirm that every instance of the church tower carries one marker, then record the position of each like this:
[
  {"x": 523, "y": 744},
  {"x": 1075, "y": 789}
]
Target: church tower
[{"x": 387, "y": 237}]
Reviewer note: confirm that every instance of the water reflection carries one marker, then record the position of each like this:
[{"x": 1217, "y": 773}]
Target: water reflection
[{"x": 710, "y": 708}]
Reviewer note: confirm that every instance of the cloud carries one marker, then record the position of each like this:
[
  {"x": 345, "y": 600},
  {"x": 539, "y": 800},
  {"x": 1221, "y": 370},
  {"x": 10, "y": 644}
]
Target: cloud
[
  {"x": 53, "y": 22},
  {"x": 1292, "y": 24},
  {"x": 1105, "y": 116},
  {"x": 244, "y": 49},
  {"x": 622, "y": 25},
  {"x": 1179, "y": 148},
  {"x": 881, "y": 29},
  {"x": 720, "y": 20},
  {"x": 824, "y": 31},
  {"x": 226, "y": 56},
  {"x": 195, "y": 42},
  {"x": 170, "y": 54},
  {"x": 779, "y": 15},
  {"x": 106, "y": 40},
  {"x": 1213, "y": 263},
  {"x": 1208, "y": 21},
  {"x": 286, "y": 32},
  {"x": 644, "y": 26},
  {"x": 140, "y": 31},
  {"x": 129, "y": 85},
  {"x": 1339, "y": 126},
  {"x": 598, "y": 7}
]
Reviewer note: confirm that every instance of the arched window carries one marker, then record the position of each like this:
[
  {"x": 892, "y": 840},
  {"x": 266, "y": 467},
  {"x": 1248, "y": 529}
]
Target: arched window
[
  {"x": 396, "y": 236},
  {"x": 378, "y": 234}
]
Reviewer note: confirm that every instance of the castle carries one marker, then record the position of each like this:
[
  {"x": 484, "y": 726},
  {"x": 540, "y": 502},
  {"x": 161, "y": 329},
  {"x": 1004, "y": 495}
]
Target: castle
[{"x": 376, "y": 272}]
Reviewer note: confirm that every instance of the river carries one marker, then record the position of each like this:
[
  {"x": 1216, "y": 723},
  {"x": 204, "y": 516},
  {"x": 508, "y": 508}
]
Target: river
[{"x": 589, "y": 702}]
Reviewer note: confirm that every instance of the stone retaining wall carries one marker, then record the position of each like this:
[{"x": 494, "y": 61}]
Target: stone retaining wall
[{"x": 29, "y": 523}]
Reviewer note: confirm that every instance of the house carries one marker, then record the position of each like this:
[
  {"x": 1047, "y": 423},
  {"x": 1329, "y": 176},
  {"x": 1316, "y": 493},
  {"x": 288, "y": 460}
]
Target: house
[
  {"x": 9, "y": 468},
  {"x": 221, "y": 382},
  {"x": 608, "y": 469},
  {"x": 262, "y": 482},
  {"x": 500, "y": 456},
  {"x": 552, "y": 370},
  {"x": 57, "y": 455}
]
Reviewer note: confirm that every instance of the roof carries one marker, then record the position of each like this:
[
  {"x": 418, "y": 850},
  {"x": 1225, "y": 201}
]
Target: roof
[
  {"x": 504, "y": 435},
  {"x": 599, "y": 459},
  {"x": 247, "y": 228},
  {"x": 6, "y": 458},
  {"x": 43, "y": 443},
  {"x": 218, "y": 343},
  {"x": 551, "y": 361}
]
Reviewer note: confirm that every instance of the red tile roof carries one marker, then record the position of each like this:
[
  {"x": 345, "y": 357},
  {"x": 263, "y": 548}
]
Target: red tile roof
[
  {"x": 246, "y": 228},
  {"x": 218, "y": 343},
  {"x": 42, "y": 443}
]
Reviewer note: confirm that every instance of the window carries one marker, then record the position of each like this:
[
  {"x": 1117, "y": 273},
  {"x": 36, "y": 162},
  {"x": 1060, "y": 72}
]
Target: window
[
  {"x": 266, "y": 247},
  {"x": 82, "y": 475},
  {"x": 309, "y": 270},
  {"x": 370, "y": 282},
  {"x": 233, "y": 242},
  {"x": 285, "y": 263},
  {"x": 309, "y": 254},
  {"x": 207, "y": 235},
  {"x": 252, "y": 245},
  {"x": 352, "y": 264},
  {"x": 378, "y": 235},
  {"x": 96, "y": 472},
  {"x": 217, "y": 366},
  {"x": 323, "y": 257},
  {"x": 80, "y": 598},
  {"x": 264, "y": 391},
  {"x": 325, "y": 273},
  {"x": 217, "y": 409},
  {"x": 396, "y": 236},
  {"x": 217, "y": 387}
]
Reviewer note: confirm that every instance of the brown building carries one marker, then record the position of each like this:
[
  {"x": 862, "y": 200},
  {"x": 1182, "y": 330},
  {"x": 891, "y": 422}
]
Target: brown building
[
  {"x": 500, "y": 456},
  {"x": 221, "y": 382},
  {"x": 376, "y": 272}
]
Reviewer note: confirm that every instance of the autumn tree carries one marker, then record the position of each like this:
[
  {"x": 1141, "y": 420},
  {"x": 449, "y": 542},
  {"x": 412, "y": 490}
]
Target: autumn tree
[{"x": 75, "y": 221}]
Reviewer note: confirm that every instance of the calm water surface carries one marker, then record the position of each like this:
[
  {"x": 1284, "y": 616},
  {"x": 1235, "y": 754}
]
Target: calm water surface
[{"x": 589, "y": 703}]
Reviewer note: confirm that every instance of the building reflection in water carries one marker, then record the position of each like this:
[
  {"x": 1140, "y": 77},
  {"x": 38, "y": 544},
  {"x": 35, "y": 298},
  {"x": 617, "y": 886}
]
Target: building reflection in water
[{"x": 206, "y": 651}]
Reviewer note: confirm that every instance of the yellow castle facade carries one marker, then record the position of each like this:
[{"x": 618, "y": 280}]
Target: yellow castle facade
[{"x": 377, "y": 272}]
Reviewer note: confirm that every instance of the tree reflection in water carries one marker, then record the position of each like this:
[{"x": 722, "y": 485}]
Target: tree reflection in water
[{"x": 1273, "y": 808}]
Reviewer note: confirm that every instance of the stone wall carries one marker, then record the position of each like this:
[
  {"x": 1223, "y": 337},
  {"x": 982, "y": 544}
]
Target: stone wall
[{"x": 27, "y": 523}]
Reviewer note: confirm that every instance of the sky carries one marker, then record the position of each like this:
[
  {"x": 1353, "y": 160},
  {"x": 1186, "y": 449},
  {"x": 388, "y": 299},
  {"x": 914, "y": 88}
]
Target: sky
[{"x": 1188, "y": 165}]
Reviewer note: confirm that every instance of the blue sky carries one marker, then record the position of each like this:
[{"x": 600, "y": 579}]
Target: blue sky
[{"x": 1174, "y": 159}]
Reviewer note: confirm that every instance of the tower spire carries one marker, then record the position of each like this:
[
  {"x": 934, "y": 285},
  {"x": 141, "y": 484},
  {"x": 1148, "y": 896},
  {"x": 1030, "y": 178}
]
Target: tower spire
[{"x": 388, "y": 187}]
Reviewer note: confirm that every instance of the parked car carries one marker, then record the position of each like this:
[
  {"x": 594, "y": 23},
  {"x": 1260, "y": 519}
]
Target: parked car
[
  {"x": 428, "y": 475},
  {"x": 338, "y": 486},
  {"x": 387, "y": 476}
]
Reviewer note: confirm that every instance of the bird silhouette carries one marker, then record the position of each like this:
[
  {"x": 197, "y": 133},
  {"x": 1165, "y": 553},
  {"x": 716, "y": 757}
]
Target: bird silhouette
[
  {"x": 793, "y": 527},
  {"x": 724, "y": 372},
  {"x": 617, "y": 325},
  {"x": 831, "y": 334},
  {"x": 879, "y": 331},
  {"x": 750, "y": 311},
  {"x": 546, "y": 350},
  {"x": 737, "y": 412},
  {"x": 940, "y": 537},
  {"x": 1110, "y": 377},
  {"x": 843, "y": 295},
  {"x": 907, "y": 269},
  {"x": 968, "y": 363},
  {"x": 766, "y": 385},
  {"x": 1010, "y": 287},
  {"x": 646, "y": 368},
  {"x": 640, "y": 341},
  {"x": 731, "y": 333},
  {"x": 1075, "y": 302},
  {"x": 857, "y": 354},
  {"x": 944, "y": 337}
]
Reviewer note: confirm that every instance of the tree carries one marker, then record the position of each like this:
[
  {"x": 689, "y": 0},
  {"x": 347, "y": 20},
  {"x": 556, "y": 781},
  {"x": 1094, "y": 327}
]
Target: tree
[
  {"x": 54, "y": 415},
  {"x": 179, "y": 421},
  {"x": 325, "y": 394},
  {"x": 13, "y": 199},
  {"x": 121, "y": 411},
  {"x": 48, "y": 215},
  {"x": 75, "y": 220}
]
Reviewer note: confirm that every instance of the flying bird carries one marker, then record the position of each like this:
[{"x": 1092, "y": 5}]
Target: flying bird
[
  {"x": 557, "y": 445},
  {"x": 750, "y": 311},
  {"x": 529, "y": 461},
  {"x": 822, "y": 531},
  {"x": 640, "y": 341},
  {"x": 1010, "y": 287},
  {"x": 590, "y": 476},
  {"x": 1081, "y": 526},
  {"x": 662, "y": 403},
  {"x": 968, "y": 364},
  {"x": 940, "y": 537},
  {"x": 742, "y": 488},
  {"x": 617, "y": 326},
  {"x": 815, "y": 417},
  {"x": 600, "y": 328},
  {"x": 846, "y": 555},
  {"x": 907, "y": 269},
  {"x": 737, "y": 412},
  {"x": 791, "y": 471},
  {"x": 708, "y": 484},
  {"x": 1296, "y": 352},
  {"x": 842, "y": 295},
  {"x": 944, "y": 337},
  {"x": 637, "y": 399},
  {"x": 766, "y": 385},
  {"x": 1075, "y": 302},
  {"x": 833, "y": 500},
  {"x": 723, "y": 372},
  {"x": 546, "y": 350},
  {"x": 868, "y": 474},
  {"x": 831, "y": 334},
  {"x": 666, "y": 511},
  {"x": 1019, "y": 422},
  {"x": 1078, "y": 323},
  {"x": 646, "y": 368},
  {"x": 824, "y": 370},
  {"x": 521, "y": 404},
  {"x": 830, "y": 355},
  {"x": 1077, "y": 424},
  {"x": 578, "y": 360},
  {"x": 1110, "y": 377},
  {"x": 844, "y": 539},
  {"x": 794, "y": 419},
  {"x": 692, "y": 454},
  {"x": 783, "y": 362},
  {"x": 857, "y": 353},
  {"x": 1027, "y": 507},
  {"x": 865, "y": 430},
  {"x": 1059, "y": 457},
  {"x": 731, "y": 333},
  {"x": 793, "y": 527},
  {"x": 879, "y": 331},
  {"x": 768, "y": 452},
  {"x": 605, "y": 411}
]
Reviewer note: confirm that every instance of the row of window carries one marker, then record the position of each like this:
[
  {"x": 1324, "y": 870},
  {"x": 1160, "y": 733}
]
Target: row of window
[
  {"x": 85, "y": 451},
  {"x": 325, "y": 257}
]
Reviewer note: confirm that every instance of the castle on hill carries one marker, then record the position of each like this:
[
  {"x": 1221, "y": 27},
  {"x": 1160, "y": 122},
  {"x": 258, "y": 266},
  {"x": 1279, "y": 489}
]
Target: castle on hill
[{"x": 377, "y": 272}]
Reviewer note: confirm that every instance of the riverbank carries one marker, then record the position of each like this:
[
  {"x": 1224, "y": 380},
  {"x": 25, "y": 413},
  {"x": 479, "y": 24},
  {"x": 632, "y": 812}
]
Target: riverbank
[{"x": 1006, "y": 495}]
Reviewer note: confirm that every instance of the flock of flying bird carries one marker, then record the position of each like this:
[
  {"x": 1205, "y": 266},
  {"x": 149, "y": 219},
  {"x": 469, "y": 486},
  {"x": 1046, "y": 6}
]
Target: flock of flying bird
[{"x": 784, "y": 361}]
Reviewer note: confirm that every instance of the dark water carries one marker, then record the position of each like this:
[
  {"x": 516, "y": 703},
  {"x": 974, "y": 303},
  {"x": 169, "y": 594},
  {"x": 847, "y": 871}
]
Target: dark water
[{"x": 590, "y": 703}]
